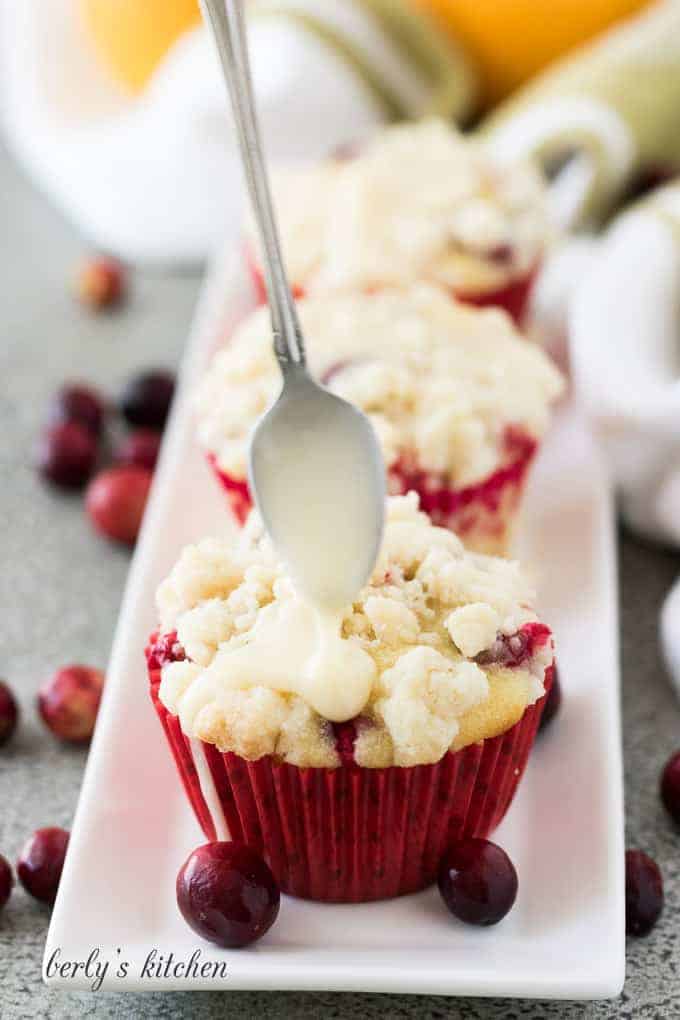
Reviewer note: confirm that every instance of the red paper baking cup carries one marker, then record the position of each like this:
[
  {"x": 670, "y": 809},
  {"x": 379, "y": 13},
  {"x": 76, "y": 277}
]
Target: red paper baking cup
[
  {"x": 482, "y": 514},
  {"x": 351, "y": 834},
  {"x": 513, "y": 296}
]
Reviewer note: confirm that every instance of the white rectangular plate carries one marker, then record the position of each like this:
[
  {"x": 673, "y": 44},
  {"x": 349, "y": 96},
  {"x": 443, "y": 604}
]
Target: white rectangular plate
[{"x": 133, "y": 828}]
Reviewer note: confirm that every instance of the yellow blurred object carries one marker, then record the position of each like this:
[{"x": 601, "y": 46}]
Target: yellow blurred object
[
  {"x": 513, "y": 39},
  {"x": 133, "y": 36}
]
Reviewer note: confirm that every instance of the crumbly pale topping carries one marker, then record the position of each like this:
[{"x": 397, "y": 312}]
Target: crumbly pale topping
[
  {"x": 419, "y": 201},
  {"x": 440, "y": 381},
  {"x": 428, "y": 610}
]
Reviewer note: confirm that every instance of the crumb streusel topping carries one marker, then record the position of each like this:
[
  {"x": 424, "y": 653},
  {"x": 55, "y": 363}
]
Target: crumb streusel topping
[
  {"x": 419, "y": 201},
  {"x": 440, "y": 628},
  {"x": 440, "y": 381}
]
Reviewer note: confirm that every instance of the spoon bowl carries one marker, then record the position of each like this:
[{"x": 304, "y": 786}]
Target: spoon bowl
[{"x": 319, "y": 482}]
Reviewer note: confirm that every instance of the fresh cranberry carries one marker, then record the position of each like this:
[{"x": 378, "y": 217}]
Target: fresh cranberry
[
  {"x": 140, "y": 448},
  {"x": 146, "y": 399},
  {"x": 41, "y": 862},
  {"x": 9, "y": 713},
  {"x": 6, "y": 881},
  {"x": 69, "y": 701},
  {"x": 101, "y": 283},
  {"x": 553, "y": 701},
  {"x": 670, "y": 786},
  {"x": 644, "y": 893},
  {"x": 477, "y": 881},
  {"x": 66, "y": 455},
  {"x": 115, "y": 501},
  {"x": 227, "y": 894},
  {"x": 81, "y": 404}
]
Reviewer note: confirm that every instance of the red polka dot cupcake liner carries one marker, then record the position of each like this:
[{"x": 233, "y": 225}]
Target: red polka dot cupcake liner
[
  {"x": 482, "y": 515},
  {"x": 513, "y": 296},
  {"x": 350, "y": 834}
]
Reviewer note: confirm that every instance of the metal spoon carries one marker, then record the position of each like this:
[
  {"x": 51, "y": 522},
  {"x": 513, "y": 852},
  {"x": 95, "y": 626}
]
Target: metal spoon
[{"x": 315, "y": 467}]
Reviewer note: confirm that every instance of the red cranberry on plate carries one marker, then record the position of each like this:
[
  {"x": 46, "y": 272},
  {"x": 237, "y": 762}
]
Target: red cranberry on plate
[
  {"x": 6, "y": 881},
  {"x": 115, "y": 501},
  {"x": 101, "y": 283},
  {"x": 477, "y": 881},
  {"x": 79, "y": 403},
  {"x": 66, "y": 455},
  {"x": 69, "y": 701},
  {"x": 139, "y": 448},
  {"x": 9, "y": 713},
  {"x": 146, "y": 399},
  {"x": 41, "y": 862},
  {"x": 644, "y": 893},
  {"x": 553, "y": 701},
  {"x": 227, "y": 894},
  {"x": 670, "y": 786}
]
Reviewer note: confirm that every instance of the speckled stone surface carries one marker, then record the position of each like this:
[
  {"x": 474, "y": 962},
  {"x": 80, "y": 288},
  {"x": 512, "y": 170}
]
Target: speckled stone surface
[{"x": 60, "y": 588}]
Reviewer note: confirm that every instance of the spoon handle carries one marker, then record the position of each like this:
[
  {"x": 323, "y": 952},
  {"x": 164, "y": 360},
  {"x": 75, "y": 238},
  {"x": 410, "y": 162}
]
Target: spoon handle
[{"x": 227, "y": 20}]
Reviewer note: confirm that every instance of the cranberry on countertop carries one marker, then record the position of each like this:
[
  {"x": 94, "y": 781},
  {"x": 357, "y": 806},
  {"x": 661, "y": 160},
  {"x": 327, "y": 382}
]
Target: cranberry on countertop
[
  {"x": 670, "y": 786},
  {"x": 146, "y": 399},
  {"x": 66, "y": 455},
  {"x": 227, "y": 894},
  {"x": 644, "y": 893},
  {"x": 102, "y": 282},
  {"x": 69, "y": 701},
  {"x": 140, "y": 448},
  {"x": 6, "y": 881},
  {"x": 115, "y": 501},
  {"x": 79, "y": 403},
  {"x": 553, "y": 701},
  {"x": 41, "y": 863},
  {"x": 9, "y": 713},
  {"x": 477, "y": 881}
]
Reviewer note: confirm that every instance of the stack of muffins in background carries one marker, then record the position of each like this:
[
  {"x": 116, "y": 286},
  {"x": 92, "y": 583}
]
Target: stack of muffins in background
[
  {"x": 389, "y": 248},
  {"x": 412, "y": 257}
]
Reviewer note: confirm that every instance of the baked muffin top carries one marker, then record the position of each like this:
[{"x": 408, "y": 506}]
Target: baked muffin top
[
  {"x": 418, "y": 201},
  {"x": 443, "y": 649},
  {"x": 440, "y": 381}
]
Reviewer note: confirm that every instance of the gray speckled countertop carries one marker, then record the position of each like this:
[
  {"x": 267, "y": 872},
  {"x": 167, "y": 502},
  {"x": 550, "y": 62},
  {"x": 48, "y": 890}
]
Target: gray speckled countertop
[{"x": 60, "y": 588}]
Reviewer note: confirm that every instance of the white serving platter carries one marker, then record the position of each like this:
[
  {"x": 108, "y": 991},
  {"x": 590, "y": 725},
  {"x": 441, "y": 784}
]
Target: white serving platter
[{"x": 133, "y": 828}]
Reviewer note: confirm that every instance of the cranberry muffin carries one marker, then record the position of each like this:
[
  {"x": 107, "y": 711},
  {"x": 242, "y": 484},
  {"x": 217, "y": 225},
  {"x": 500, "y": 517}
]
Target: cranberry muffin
[
  {"x": 459, "y": 400},
  {"x": 350, "y": 796},
  {"x": 417, "y": 202}
]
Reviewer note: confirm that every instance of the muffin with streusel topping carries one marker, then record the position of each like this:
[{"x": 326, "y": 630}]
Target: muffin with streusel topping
[
  {"x": 458, "y": 399},
  {"x": 354, "y": 797},
  {"x": 416, "y": 202}
]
